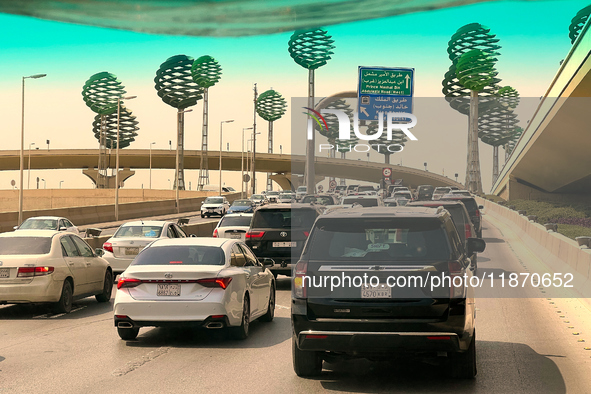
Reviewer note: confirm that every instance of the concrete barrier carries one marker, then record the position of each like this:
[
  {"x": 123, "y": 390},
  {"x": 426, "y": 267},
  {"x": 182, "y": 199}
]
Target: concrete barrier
[
  {"x": 561, "y": 252},
  {"x": 81, "y": 216}
]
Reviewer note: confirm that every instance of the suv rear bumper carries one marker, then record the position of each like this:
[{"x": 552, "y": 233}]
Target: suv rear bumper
[{"x": 360, "y": 342}]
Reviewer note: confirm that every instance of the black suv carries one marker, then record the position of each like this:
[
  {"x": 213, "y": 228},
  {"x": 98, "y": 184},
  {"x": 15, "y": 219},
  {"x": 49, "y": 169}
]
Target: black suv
[
  {"x": 472, "y": 207},
  {"x": 425, "y": 192},
  {"x": 379, "y": 321},
  {"x": 280, "y": 231}
]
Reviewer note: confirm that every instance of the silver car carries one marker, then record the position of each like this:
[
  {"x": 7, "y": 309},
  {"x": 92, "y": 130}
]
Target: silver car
[{"x": 132, "y": 237}]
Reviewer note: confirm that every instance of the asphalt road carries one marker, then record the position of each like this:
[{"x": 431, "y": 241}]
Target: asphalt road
[{"x": 525, "y": 345}]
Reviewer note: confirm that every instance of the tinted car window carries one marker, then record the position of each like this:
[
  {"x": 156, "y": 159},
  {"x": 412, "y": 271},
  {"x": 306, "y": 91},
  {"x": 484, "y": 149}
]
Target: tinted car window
[
  {"x": 24, "y": 245},
  {"x": 237, "y": 257},
  {"x": 242, "y": 203},
  {"x": 180, "y": 254},
  {"x": 214, "y": 200},
  {"x": 235, "y": 221},
  {"x": 470, "y": 204},
  {"x": 364, "y": 202},
  {"x": 324, "y": 200},
  {"x": 69, "y": 247},
  {"x": 83, "y": 247},
  {"x": 284, "y": 218},
  {"x": 138, "y": 231},
  {"x": 379, "y": 240}
]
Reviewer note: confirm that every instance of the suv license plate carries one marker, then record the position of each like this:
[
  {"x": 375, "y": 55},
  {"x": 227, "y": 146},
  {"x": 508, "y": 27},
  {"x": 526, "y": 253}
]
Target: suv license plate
[
  {"x": 4, "y": 272},
  {"x": 284, "y": 244},
  {"x": 235, "y": 235},
  {"x": 132, "y": 251},
  {"x": 381, "y": 291},
  {"x": 169, "y": 290}
]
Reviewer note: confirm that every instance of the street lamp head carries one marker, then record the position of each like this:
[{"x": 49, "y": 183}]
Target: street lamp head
[
  {"x": 186, "y": 110},
  {"x": 152, "y": 143},
  {"x": 128, "y": 97},
  {"x": 36, "y": 76},
  {"x": 228, "y": 121}
]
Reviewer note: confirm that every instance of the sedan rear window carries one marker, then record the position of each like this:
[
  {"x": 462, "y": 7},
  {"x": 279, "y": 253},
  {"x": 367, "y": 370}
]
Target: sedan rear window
[
  {"x": 379, "y": 240},
  {"x": 235, "y": 221},
  {"x": 24, "y": 245},
  {"x": 39, "y": 224},
  {"x": 138, "y": 231},
  {"x": 180, "y": 255},
  {"x": 213, "y": 200}
]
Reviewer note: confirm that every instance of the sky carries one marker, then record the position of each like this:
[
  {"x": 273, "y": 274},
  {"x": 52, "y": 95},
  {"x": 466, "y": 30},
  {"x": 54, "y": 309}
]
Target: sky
[{"x": 534, "y": 39}]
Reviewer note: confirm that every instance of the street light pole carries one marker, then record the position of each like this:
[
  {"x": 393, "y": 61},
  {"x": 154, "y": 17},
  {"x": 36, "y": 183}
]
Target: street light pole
[
  {"x": 121, "y": 98},
  {"x": 242, "y": 163},
  {"x": 180, "y": 115},
  {"x": 221, "y": 124},
  {"x": 44, "y": 184},
  {"x": 61, "y": 184},
  {"x": 29, "y": 167},
  {"x": 152, "y": 143},
  {"x": 20, "y": 190}
]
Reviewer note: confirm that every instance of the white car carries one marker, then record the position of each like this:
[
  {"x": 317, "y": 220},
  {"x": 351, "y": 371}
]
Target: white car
[
  {"x": 54, "y": 223},
  {"x": 51, "y": 267},
  {"x": 214, "y": 206},
  {"x": 212, "y": 283},
  {"x": 132, "y": 237},
  {"x": 286, "y": 197},
  {"x": 273, "y": 196},
  {"x": 233, "y": 226},
  {"x": 460, "y": 193}
]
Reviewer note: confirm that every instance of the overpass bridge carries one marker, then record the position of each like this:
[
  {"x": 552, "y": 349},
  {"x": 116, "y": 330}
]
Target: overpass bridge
[{"x": 282, "y": 165}]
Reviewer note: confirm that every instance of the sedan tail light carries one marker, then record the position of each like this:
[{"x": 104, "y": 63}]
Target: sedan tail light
[
  {"x": 108, "y": 247},
  {"x": 27, "y": 272},
  {"x": 254, "y": 235},
  {"x": 299, "y": 285},
  {"x": 215, "y": 282},
  {"x": 215, "y": 233},
  {"x": 128, "y": 283}
]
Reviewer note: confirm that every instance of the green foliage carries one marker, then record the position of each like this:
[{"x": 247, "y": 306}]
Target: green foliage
[{"x": 571, "y": 231}]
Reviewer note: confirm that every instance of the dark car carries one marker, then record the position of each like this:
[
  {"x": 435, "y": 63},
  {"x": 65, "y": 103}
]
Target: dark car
[
  {"x": 472, "y": 207},
  {"x": 425, "y": 192},
  {"x": 242, "y": 206},
  {"x": 280, "y": 231},
  {"x": 384, "y": 321},
  {"x": 461, "y": 219},
  {"x": 322, "y": 199}
]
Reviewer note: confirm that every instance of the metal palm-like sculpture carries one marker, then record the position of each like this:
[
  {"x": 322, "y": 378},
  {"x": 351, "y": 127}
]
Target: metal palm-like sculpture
[
  {"x": 128, "y": 127},
  {"x": 206, "y": 72},
  {"x": 382, "y": 143},
  {"x": 311, "y": 49},
  {"x": 271, "y": 106},
  {"x": 175, "y": 86},
  {"x": 577, "y": 23},
  {"x": 472, "y": 50},
  {"x": 101, "y": 93},
  {"x": 511, "y": 144},
  {"x": 498, "y": 127}
]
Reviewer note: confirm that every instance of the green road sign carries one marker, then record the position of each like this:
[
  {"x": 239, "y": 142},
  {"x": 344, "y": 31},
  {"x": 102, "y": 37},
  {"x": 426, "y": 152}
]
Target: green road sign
[{"x": 394, "y": 82}]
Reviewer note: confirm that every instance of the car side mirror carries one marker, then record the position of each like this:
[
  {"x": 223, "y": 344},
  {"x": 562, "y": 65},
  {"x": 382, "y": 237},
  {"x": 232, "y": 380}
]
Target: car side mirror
[
  {"x": 99, "y": 252},
  {"x": 15, "y": 227},
  {"x": 481, "y": 207},
  {"x": 268, "y": 262},
  {"x": 193, "y": 236},
  {"x": 475, "y": 245},
  {"x": 63, "y": 228}
]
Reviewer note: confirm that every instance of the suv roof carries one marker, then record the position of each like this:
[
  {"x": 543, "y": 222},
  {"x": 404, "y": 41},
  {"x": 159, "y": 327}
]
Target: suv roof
[
  {"x": 414, "y": 212},
  {"x": 287, "y": 206}
]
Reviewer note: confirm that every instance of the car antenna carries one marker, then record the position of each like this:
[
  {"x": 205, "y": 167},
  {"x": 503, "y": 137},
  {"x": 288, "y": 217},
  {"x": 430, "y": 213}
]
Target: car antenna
[{"x": 141, "y": 220}]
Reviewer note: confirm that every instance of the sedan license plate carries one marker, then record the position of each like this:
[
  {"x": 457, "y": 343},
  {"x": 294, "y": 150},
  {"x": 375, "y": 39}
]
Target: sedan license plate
[
  {"x": 4, "y": 272},
  {"x": 169, "y": 290},
  {"x": 380, "y": 291},
  {"x": 284, "y": 244},
  {"x": 132, "y": 251}
]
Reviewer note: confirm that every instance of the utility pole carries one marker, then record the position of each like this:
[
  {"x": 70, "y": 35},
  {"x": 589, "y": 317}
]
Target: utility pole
[{"x": 254, "y": 139}]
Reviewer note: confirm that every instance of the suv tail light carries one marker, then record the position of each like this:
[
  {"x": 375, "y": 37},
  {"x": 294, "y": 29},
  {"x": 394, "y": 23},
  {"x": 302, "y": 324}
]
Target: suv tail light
[
  {"x": 108, "y": 247},
  {"x": 455, "y": 270},
  {"x": 468, "y": 231},
  {"x": 306, "y": 233},
  {"x": 254, "y": 235},
  {"x": 299, "y": 288},
  {"x": 128, "y": 283},
  {"x": 28, "y": 272},
  {"x": 215, "y": 233},
  {"x": 215, "y": 282}
]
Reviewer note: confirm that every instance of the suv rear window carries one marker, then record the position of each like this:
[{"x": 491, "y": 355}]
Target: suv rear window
[
  {"x": 364, "y": 202},
  {"x": 323, "y": 200},
  {"x": 180, "y": 254},
  {"x": 379, "y": 240},
  {"x": 24, "y": 245},
  {"x": 470, "y": 204},
  {"x": 284, "y": 218}
]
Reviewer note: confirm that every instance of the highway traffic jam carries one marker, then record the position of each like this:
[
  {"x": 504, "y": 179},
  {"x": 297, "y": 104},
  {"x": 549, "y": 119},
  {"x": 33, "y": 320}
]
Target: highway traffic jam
[{"x": 166, "y": 278}]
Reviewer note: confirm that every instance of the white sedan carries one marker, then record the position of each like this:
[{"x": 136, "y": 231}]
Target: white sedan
[
  {"x": 200, "y": 282},
  {"x": 233, "y": 225},
  {"x": 54, "y": 223},
  {"x": 53, "y": 267},
  {"x": 132, "y": 237}
]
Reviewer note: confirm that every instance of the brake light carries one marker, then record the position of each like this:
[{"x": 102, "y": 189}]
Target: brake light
[
  {"x": 128, "y": 283},
  {"x": 477, "y": 213},
  {"x": 28, "y": 272},
  {"x": 306, "y": 233},
  {"x": 468, "y": 231},
  {"x": 215, "y": 282},
  {"x": 254, "y": 234},
  {"x": 299, "y": 288},
  {"x": 311, "y": 336},
  {"x": 215, "y": 233},
  {"x": 439, "y": 338},
  {"x": 108, "y": 247},
  {"x": 456, "y": 289}
]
